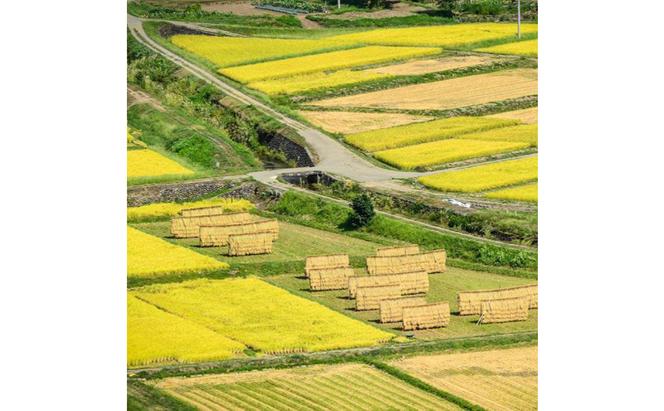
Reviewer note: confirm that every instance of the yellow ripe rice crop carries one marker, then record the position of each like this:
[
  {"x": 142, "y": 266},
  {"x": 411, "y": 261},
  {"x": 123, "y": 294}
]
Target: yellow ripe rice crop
[
  {"x": 526, "y": 115},
  {"x": 484, "y": 177},
  {"x": 133, "y": 142},
  {"x": 314, "y": 81},
  {"x": 522, "y": 48},
  {"x": 148, "y": 163},
  {"x": 446, "y": 94},
  {"x": 423, "y": 132},
  {"x": 522, "y": 193},
  {"x": 451, "y": 35},
  {"x": 526, "y": 133},
  {"x": 444, "y": 151},
  {"x": 149, "y": 256},
  {"x": 155, "y": 336},
  {"x": 262, "y": 316},
  {"x": 346, "y": 122},
  {"x": 231, "y": 51},
  {"x": 334, "y": 60},
  {"x": 158, "y": 211}
]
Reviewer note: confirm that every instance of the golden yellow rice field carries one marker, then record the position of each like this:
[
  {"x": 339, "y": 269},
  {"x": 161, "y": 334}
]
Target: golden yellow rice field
[
  {"x": 447, "y": 36},
  {"x": 444, "y": 151},
  {"x": 317, "y": 387},
  {"x": 158, "y": 211},
  {"x": 231, "y": 51},
  {"x": 346, "y": 122},
  {"x": 334, "y": 60},
  {"x": 526, "y": 133},
  {"x": 157, "y": 337},
  {"x": 264, "y": 317},
  {"x": 418, "y": 67},
  {"x": 526, "y": 192},
  {"x": 502, "y": 379},
  {"x": 484, "y": 177},
  {"x": 149, "y": 256},
  {"x": 410, "y": 134},
  {"x": 522, "y": 48},
  {"x": 446, "y": 94},
  {"x": 148, "y": 163},
  {"x": 526, "y": 116},
  {"x": 314, "y": 81}
]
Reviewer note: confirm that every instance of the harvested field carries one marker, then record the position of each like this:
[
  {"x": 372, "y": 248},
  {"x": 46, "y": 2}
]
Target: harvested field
[
  {"x": 333, "y": 60},
  {"x": 318, "y": 387},
  {"x": 504, "y": 379},
  {"x": 160, "y": 211},
  {"x": 526, "y": 116},
  {"x": 250, "y": 244},
  {"x": 446, "y": 94},
  {"x": 470, "y": 302},
  {"x": 521, "y": 193},
  {"x": 369, "y": 298},
  {"x": 314, "y": 81},
  {"x": 419, "y": 67},
  {"x": 451, "y": 35},
  {"x": 524, "y": 133},
  {"x": 347, "y": 122},
  {"x": 149, "y": 163},
  {"x": 330, "y": 279},
  {"x": 484, "y": 177},
  {"x": 259, "y": 315},
  {"x": 504, "y": 310},
  {"x": 444, "y": 151},
  {"x": 218, "y": 235},
  {"x": 435, "y": 130},
  {"x": 149, "y": 256},
  {"x": 392, "y": 310},
  {"x": 157, "y": 337},
  {"x": 521, "y": 48},
  {"x": 422, "y": 317},
  {"x": 409, "y": 283},
  {"x": 398, "y": 250}
]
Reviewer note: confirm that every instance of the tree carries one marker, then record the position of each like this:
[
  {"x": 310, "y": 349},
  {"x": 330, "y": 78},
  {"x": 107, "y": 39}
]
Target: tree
[
  {"x": 448, "y": 7},
  {"x": 363, "y": 211}
]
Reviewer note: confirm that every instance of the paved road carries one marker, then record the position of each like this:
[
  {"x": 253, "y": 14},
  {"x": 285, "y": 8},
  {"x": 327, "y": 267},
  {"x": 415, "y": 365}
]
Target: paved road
[{"x": 333, "y": 156}]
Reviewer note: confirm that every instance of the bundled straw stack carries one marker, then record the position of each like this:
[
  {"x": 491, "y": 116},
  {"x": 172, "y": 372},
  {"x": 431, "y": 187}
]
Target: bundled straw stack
[
  {"x": 391, "y": 310},
  {"x": 431, "y": 262},
  {"x": 249, "y": 244},
  {"x": 426, "y": 316},
  {"x": 470, "y": 302},
  {"x": 201, "y": 211},
  {"x": 189, "y": 226},
  {"x": 409, "y": 283},
  {"x": 329, "y": 278},
  {"x": 396, "y": 251},
  {"x": 216, "y": 235},
  {"x": 322, "y": 262},
  {"x": 504, "y": 310},
  {"x": 369, "y": 298}
]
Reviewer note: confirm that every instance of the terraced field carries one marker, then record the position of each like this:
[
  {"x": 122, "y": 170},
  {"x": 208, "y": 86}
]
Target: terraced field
[
  {"x": 526, "y": 115},
  {"x": 149, "y": 163},
  {"x": 499, "y": 380},
  {"x": 348, "y": 122},
  {"x": 526, "y": 192},
  {"x": 163, "y": 211},
  {"x": 523, "y": 48},
  {"x": 338, "y": 387},
  {"x": 418, "y": 67},
  {"x": 314, "y": 81}
]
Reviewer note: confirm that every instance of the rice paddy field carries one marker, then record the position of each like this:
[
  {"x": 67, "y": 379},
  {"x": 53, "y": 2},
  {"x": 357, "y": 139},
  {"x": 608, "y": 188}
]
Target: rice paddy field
[
  {"x": 318, "y": 387},
  {"x": 526, "y": 133},
  {"x": 163, "y": 211},
  {"x": 418, "y": 67},
  {"x": 442, "y": 287},
  {"x": 314, "y": 81},
  {"x": 503, "y": 379},
  {"x": 525, "y": 116},
  {"x": 484, "y": 177},
  {"x": 526, "y": 192},
  {"x": 522, "y": 48},
  {"x": 348, "y": 122},
  {"x": 149, "y": 163},
  {"x": 446, "y": 94},
  {"x": 261, "y": 316}
]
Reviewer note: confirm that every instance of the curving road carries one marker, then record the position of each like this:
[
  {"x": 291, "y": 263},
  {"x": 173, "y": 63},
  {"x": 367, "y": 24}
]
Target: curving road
[{"x": 333, "y": 156}]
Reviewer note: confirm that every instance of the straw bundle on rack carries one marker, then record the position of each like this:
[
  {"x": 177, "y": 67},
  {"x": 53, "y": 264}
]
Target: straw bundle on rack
[
  {"x": 410, "y": 283},
  {"x": 394, "y": 251},
  {"x": 369, "y": 298},
  {"x": 326, "y": 262},
  {"x": 217, "y": 235},
  {"x": 504, "y": 310},
  {"x": 470, "y": 302},
  {"x": 391, "y": 311},
  {"x": 431, "y": 262},
  {"x": 201, "y": 211},
  {"x": 188, "y": 227},
  {"x": 329, "y": 278},
  {"x": 426, "y": 316},
  {"x": 250, "y": 244}
]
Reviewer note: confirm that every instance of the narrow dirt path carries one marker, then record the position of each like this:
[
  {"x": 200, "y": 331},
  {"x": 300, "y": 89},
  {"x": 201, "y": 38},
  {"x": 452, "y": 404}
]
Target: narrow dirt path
[{"x": 308, "y": 24}]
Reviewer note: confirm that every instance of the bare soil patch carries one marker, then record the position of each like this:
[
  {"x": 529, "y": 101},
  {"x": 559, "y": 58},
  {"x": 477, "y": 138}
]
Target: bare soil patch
[
  {"x": 418, "y": 67},
  {"x": 397, "y": 10},
  {"x": 241, "y": 8},
  {"x": 354, "y": 122},
  {"x": 135, "y": 96}
]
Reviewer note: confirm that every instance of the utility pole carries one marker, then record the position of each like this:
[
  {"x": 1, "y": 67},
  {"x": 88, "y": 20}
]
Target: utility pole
[
  {"x": 518, "y": 18},
  {"x": 338, "y": 4}
]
